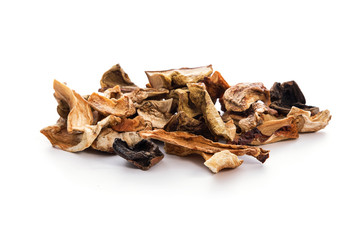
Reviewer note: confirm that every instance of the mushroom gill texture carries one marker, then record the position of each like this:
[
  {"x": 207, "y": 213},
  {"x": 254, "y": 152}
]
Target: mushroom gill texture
[{"x": 239, "y": 97}]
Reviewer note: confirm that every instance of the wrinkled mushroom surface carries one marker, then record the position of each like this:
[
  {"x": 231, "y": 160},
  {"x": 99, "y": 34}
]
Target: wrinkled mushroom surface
[
  {"x": 132, "y": 125},
  {"x": 216, "y": 86},
  {"x": 115, "y": 76},
  {"x": 307, "y": 123},
  {"x": 221, "y": 160},
  {"x": 157, "y": 112}
]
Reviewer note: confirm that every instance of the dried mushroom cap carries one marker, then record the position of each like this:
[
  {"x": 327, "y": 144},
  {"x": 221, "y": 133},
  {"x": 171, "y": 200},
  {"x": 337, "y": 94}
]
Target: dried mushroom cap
[
  {"x": 201, "y": 144},
  {"x": 115, "y": 76},
  {"x": 239, "y": 98},
  {"x": 79, "y": 114},
  {"x": 75, "y": 142},
  {"x": 132, "y": 125},
  {"x": 288, "y": 94},
  {"x": 307, "y": 123},
  {"x": 122, "y": 107},
  {"x": 216, "y": 85},
  {"x": 157, "y": 112},
  {"x": 200, "y": 97},
  {"x": 175, "y": 78},
  {"x": 221, "y": 160},
  {"x": 104, "y": 141},
  {"x": 143, "y": 154}
]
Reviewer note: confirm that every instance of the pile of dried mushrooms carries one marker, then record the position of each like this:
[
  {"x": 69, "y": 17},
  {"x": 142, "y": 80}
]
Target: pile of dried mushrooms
[{"x": 177, "y": 107}]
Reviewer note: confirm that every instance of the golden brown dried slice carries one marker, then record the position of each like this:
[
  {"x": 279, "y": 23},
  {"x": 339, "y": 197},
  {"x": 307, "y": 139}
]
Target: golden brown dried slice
[
  {"x": 185, "y": 104},
  {"x": 104, "y": 141},
  {"x": 115, "y": 76},
  {"x": 114, "y": 92},
  {"x": 216, "y": 85},
  {"x": 122, "y": 107},
  {"x": 307, "y": 123},
  {"x": 239, "y": 98},
  {"x": 200, "y": 97},
  {"x": 78, "y": 114},
  {"x": 141, "y": 94},
  {"x": 175, "y": 78},
  {"x": 221, "y": 160},
  {"x": 75, "y": 142},
  {"x": 201, "y": 144},
  {"x": 132, "y": 125},
  {"x": 157, "y": 112}
]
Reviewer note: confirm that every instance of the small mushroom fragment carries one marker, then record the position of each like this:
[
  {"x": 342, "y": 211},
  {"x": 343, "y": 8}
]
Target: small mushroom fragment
[
  {"x": 307, "y": 123},
  {"x": 114, "y": 92},
  {"x": 288, "y": 94},
  {"x": 104, "y": 141},
  {"x": 221, "y": 160},
  {"x": 115, "y": 76},
  {"x": 140, "y": 94},
  {"x": 122, "y": 107},
  {"x": 201, "y": 144},
  {"x": 239, "y": 98},
  {"x": 143, "y": 154},
  {"x": 175, "y": 78},
  {"x": 216, "y": 86},
  {"x": 157, "y": 112},
  {"x": 200, "y": 97},
  {"x": 78, "y": 113},
  {"x": 132, "y": 125},
  {"x": 185, "y": 104}
]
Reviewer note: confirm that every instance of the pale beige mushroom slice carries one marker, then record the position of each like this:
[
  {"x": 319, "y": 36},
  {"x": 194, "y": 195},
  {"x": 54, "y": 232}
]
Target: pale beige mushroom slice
[
  {"x": 79, "y": 114},
  {"x": 141, "y": 94},
  {"x": 221, "y": 160},
  {"x": 175, "y": 78},
  {"x": 156, "y": 112},
  {"x": 308, "y": 123}
]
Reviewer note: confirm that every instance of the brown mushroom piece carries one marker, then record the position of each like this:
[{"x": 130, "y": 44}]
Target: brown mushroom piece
[
  {"x": 156, "y": 112},
  {"x": 132, "y": 125},
  {"x": 307, "y": 123},
  {"x": 115, "y": 76},
  {"x": 221, "y": 160},
  {"x": 239, "y": 98},
  {"x": 141, "y": 94},
  {"x": 200, "y": 97},
  {"x": 143, "y": 154},
  {"x": 185, "y": 104},
  {"x": 216, "y": 86},
  {"x": 288, "y": 94},
  {"x": 175, "y": 78},
  {"x": 199, "y": 144}
]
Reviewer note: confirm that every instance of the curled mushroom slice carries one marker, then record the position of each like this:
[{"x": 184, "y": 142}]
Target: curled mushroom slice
[
  {"x": 75, "y": 142},
  {"x": 185, "y": 104},
  {"x": 216, "y": 85},
  {"x": 201, "y": 144},
  {"x": 156, "y": 112},
  {"x": 288, "y": 94},
  {"x": 78, "y": 113},
  {"x": 200, "y": 97},
  {"x": 132, "y": 125},
  {"x": 306, "y": 122},
  {"x": 143, "y": 154},
  {"x": 114, "y": 92},
  {"x": 221, "y": 160},
  {"x": 115, "y": 76},
  {"x": 175, "y": 78},
  {"x": 104, "y": 141},
  {"x": 239, "y": 98},
  {"x": 122, "y": 107}
]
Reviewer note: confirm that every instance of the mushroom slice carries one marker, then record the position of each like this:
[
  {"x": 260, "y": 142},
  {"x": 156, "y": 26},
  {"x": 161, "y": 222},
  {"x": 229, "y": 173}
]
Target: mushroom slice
[
  {"x": 114, "y": 92},
  {"x": 104, "y": 141},
  {"x": 122, "y": 107},
  {"x": 143, "y": 154},
  {"x": 132, "y": 125},
  {"x": 307, "y": 123},
  {"x": 184, "y": 103},
  {"x": 288, "y": 94},
  {"x": 200, "y": 97},
  {"x": 75, "y": 142},
  {"x": 201, "y": 144},
  {"x": 175, "y": 78},
  {"x": 79, "y": 112},
  {"x": 221, "y": 160},
  {"x": 157, "y": 112},
  {"x": 115, "y": 76},
  {"x": 216, "y": 86},
  {"x": 239, "y": 98}
]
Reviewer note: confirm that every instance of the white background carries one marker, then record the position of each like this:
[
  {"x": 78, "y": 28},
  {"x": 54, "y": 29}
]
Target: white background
[{"x": 307, "y": 189}]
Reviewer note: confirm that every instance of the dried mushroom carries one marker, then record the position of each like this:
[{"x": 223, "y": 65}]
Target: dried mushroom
[
  {"x": 202, "y": 100},
  {"x": 104, "y": 141},
  {"x": 288, "y": 94},
  {"x": 201, "y": 144},
  {"x": 307, "y": 123},
  {"x": 184, "y": 103},
  {"x": 122, "y": 107},
  {"x": 141, "y": 94},
  {"x": 114, "y": 92},
  {"x": 221, "y": 160},
  {"x": 115, "y": 76},
  {"x": 175, "y": 78},
  {"x": 216, "y": 86},
  {"x": 143, "y": 154},
  {"x": 79, "y": 114},
  {"x": 239, "y": 98},
  {"x": 132, "y": 125},
  {"x": 157, "y": 112}
]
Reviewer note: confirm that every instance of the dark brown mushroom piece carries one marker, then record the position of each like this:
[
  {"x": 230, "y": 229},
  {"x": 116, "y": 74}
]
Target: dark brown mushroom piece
[
  {"x": 287, "y": 94},
  {"x": 115, "y": 76},
  {"x": 216, "y": 86},
  {"x": 143, "y": 155}
]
